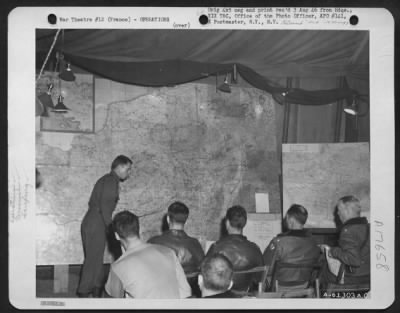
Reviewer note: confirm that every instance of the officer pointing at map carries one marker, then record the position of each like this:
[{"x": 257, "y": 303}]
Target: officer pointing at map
[{"x": 102, "y": 203}]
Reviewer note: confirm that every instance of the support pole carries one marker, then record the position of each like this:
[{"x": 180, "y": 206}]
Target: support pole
[
  {"x": 286, "y": 114},
  {"x": 339, "y": 114},
  {"x": 61, "y": 278}
]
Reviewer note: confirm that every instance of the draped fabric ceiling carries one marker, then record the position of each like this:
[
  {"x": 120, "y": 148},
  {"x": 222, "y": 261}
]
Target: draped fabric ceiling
[{"x": 171, "y": 57}]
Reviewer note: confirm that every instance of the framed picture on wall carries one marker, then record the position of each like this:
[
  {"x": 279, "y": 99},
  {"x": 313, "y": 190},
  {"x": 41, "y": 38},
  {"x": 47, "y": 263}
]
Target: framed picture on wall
[{"x": 78, "y": 99}]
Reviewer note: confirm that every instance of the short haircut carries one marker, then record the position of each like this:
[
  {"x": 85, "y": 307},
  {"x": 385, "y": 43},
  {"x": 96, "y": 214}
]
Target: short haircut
[
  {"x": 352, "y": 203},
  {"x": 178, "y": 212},
  {"x": 126, "y": 224},
  {"x": 120, "y": 160},
  {"x": 298, "y": 212},
  {"x": 217, "y": 272},
  {"x": 237, "y": 216}
]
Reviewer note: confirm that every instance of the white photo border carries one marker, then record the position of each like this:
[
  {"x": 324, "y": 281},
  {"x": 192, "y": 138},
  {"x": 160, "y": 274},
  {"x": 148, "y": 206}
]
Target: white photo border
[{"x": 22, "y": 23}]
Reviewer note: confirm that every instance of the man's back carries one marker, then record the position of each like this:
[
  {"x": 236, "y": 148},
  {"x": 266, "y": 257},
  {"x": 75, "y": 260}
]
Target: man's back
[
  {"x": 296, "y": 247},
  {"x": 187, "y": 249},
  {"x": 242, "y": 253},
  {"x": 104, "y": 196},
  {"x": 148, "y": 271}
]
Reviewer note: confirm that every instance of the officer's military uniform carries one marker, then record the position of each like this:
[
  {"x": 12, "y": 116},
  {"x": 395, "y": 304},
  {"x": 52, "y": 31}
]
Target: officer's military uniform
[
  {"x": 293, "y": 246},
  {"x": 243, "y": 254},
  {"x": 187, "y": 249},
  {"x": 354, "y": 250}
]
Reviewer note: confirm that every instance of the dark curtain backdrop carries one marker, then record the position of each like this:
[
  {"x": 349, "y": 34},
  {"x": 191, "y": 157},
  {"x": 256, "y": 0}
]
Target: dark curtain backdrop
[{"x": 170, "y": 57}]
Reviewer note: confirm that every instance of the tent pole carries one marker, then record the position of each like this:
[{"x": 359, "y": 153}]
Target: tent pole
[
  {"x": 286, "y": 114},
  {"x": 339, "y": 113}
]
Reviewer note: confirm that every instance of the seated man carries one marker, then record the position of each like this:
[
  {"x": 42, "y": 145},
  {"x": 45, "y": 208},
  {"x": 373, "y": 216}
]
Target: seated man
[
  {"x": 187, "y": 249},
  {"x": 354, "y": 244},
  {"x": 295, "y": 246},
  {"x": 215, "y": 278},
  {"x": 143, "y": 270},
  {"x": 242, "y": 253}
]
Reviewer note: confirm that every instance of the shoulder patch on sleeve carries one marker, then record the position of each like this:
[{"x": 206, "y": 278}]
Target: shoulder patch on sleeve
[{"x": 272, "y": 246}]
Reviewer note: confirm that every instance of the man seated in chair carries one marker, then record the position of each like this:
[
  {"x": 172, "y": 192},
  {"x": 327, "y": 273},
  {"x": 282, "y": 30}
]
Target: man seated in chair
[
  {"x": 143, "y": 270},
  {"x": 242, "y": 253},
  {"x": 295, "y": 246},
  {"x": 353, "y": 248},
  {"x": 215, "y": 278},
  {"x": 187, "y": 249}
]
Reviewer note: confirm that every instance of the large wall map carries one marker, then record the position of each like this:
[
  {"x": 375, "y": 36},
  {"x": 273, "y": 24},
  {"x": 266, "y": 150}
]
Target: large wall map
[
  {"x": 317, "y": 175},
  {"x": 189, "y": 143}
]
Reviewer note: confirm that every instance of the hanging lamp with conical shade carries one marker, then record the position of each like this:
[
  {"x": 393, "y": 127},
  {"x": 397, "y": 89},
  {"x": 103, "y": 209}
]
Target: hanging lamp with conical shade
[
  {"x": 224, "y": 87},
  {"x": 60, "y": 106},
  {"x": 352, "y": 109},
  {"x": 67, "y": 74}
]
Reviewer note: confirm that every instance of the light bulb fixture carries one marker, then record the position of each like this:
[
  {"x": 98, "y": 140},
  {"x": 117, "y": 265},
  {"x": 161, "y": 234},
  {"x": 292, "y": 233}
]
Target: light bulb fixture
[
  {"x": 224, "y": 87},
  {"x": 286, "y": 92},
  {"x": 67, "y": 74},
  {"x": 44, "y": 101},
  {"x": 60, "y": 106},
  {"x": 352, "y": 109}
]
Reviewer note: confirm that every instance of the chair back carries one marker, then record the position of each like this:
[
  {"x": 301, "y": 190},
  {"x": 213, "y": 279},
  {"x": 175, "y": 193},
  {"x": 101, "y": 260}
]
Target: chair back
[
  {"x": 296, "y": 276},
  {"x": 192, "y": 280},
  {"x": 254, "y": 278},
  {"x": 300, "y": 293}
]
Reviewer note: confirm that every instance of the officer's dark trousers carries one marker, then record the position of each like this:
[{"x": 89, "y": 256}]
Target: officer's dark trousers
[{"x": 93, "y": 233}]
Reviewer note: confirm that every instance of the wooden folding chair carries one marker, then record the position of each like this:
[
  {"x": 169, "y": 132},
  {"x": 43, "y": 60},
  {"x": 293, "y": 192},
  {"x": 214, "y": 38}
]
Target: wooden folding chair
[
  {"x": 249, "y": 279},
  {"x": 310, "y": 281},
  {"x": 300, "y": 293},
  {"x": 192, "y": 280}
]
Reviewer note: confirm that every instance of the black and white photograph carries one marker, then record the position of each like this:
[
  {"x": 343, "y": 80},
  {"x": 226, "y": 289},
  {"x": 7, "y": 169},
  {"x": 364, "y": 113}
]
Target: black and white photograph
[{"x": 205, "y": 159}]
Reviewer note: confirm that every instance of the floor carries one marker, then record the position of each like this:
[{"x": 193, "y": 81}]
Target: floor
[{"x": 45, "y": 281}]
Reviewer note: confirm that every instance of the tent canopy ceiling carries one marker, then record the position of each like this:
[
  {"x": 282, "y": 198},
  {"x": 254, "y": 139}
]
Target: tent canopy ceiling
[{"x": 168, "y": 57}]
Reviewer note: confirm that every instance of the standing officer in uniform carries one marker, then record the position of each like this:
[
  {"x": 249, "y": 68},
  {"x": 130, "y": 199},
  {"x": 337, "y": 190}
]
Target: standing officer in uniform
[{"x": 102, "y": 203}]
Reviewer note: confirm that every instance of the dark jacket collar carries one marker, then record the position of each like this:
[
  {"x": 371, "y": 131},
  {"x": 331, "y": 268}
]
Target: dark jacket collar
[
  {"x": 296, "y": 233},
  {"x": 236, "y": 236},
  {"x": 113, "y": 174},
  {"x": 356, "y": 220},
  {"x": 176, "y": 232}
]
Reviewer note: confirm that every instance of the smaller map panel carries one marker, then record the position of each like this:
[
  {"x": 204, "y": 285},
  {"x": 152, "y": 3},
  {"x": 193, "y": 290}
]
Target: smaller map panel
[
  {"x": 78, "y": 98},
  {"x": 318, "y": 175}
]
